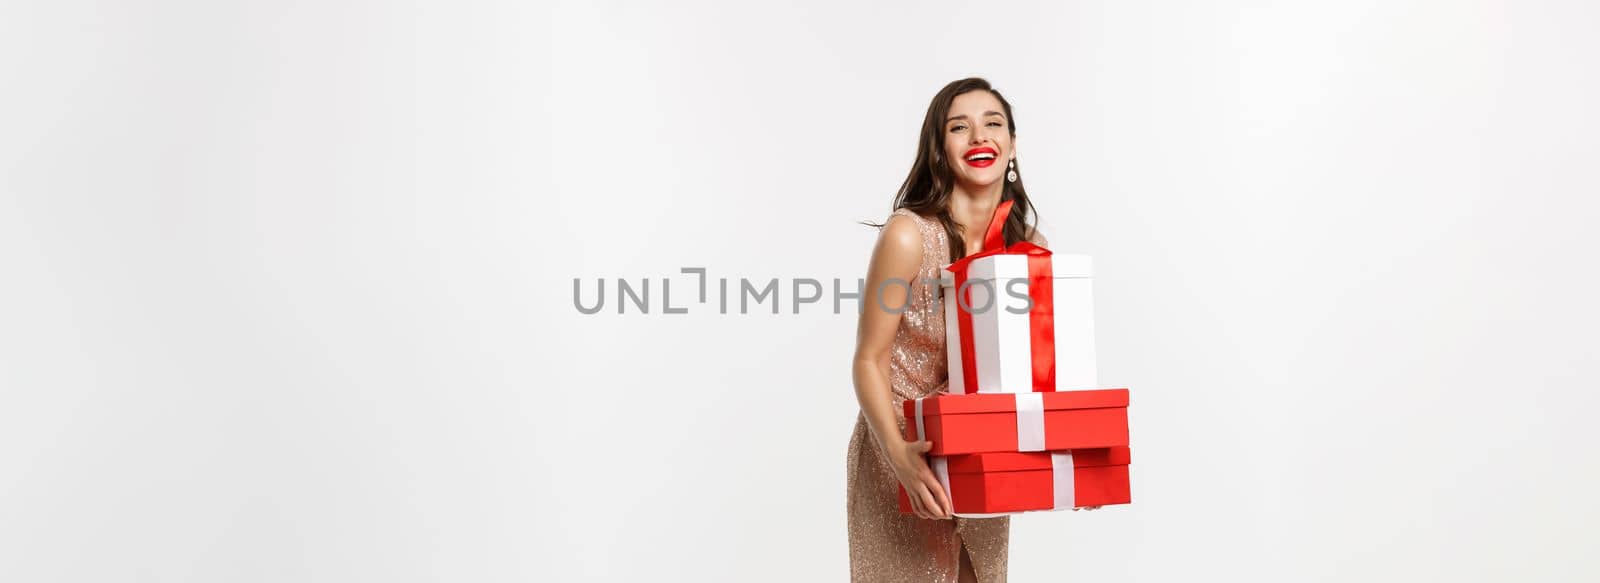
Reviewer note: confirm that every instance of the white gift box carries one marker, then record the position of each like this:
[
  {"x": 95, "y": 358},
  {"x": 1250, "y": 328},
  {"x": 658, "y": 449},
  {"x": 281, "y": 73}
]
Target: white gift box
[{"x": 1002, "y": 339}]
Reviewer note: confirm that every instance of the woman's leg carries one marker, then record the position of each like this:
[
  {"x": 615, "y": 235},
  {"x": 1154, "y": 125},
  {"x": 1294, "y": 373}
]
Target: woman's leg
[{"x": 967, "y": 574}]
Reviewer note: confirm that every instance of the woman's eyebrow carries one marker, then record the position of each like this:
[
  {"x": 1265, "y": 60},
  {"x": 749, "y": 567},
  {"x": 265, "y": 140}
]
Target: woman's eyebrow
[{"x": 963, "y": 116}]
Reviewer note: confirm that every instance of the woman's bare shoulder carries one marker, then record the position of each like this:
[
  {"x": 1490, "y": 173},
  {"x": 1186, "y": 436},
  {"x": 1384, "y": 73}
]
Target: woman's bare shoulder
[{"x": 901, "y": 236}]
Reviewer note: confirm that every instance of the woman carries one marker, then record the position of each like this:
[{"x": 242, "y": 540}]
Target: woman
[{"x": 965, "y": 166}]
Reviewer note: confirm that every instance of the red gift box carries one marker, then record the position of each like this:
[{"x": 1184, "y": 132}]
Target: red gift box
[
  {"x": 1007, "y": 482},
  {"x": 1019, "y": 422}
]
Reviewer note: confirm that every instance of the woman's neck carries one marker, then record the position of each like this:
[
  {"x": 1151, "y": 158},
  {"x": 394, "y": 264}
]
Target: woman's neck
[{"x": 973, "y": 208}]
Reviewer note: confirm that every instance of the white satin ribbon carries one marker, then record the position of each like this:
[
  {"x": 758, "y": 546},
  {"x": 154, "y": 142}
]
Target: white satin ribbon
[
  {"x": 921, "y": 435},
  {"x": 1030, "y": 421},
  {"x": 941, "y": 469},
  {"x": 1061, "y": 469}
]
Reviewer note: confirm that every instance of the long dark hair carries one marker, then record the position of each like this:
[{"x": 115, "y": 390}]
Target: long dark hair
[{"x": 927, "y": 188}]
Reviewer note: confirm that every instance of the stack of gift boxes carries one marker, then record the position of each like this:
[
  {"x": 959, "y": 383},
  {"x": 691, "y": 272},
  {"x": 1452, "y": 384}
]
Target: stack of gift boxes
[{"x": 1024, "y": 425}]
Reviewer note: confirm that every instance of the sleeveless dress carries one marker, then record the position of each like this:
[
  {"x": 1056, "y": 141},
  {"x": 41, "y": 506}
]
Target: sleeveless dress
[{"x": 885, "y": 545}]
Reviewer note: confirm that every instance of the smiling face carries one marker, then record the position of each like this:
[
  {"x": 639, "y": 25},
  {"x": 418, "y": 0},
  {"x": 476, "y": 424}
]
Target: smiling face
[{"x": 977, "y": 139}]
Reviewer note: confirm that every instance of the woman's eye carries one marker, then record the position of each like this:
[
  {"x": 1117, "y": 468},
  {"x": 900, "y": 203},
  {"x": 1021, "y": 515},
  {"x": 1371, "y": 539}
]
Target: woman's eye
[
  {"x": 994, "y": 124},
  {"x": 957, "y": 128}
]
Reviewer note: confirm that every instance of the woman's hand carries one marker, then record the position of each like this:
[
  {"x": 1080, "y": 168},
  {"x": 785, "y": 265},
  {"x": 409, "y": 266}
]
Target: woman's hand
[{"x": 928, "y": 499}]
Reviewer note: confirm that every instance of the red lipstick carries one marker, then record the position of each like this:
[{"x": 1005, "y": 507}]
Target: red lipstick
[{"x": 980, "y": 161}]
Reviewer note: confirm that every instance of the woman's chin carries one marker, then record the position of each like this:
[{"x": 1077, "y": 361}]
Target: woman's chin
[{"x": 978, "y": 183}]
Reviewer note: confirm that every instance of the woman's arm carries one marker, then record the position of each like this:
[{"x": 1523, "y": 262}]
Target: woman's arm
[{"x": 895, "y": 260}]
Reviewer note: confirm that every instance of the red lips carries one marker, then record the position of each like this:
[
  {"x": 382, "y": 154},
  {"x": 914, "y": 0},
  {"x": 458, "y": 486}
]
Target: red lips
[{"x": 982, "y": 162}]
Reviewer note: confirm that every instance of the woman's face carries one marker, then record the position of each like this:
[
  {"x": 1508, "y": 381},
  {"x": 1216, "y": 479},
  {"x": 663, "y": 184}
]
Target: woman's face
[{"x": 977, "y": 139}]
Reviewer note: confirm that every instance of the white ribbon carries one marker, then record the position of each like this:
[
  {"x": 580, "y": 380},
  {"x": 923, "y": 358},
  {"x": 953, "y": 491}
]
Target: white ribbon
[
  {"x": 920, "y": 434},
  {"x": 1030, "y": 421},
  {"x": 1061, "y": 469}
]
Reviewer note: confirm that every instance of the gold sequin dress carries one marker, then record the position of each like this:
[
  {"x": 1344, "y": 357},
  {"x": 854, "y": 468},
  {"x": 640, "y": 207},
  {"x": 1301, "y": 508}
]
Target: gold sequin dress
[{"x": 885, "y": 545}]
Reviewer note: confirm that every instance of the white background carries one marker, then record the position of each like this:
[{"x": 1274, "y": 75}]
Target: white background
[{"x": 287, "y": 286}]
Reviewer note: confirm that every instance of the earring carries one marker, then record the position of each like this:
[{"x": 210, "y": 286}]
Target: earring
[{"x": 1011, "y": 175}]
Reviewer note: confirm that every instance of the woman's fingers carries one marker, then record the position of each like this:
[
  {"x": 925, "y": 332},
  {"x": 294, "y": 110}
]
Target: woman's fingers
[
  {"x": 916, "y": 500},
  {"x": 941, "y": 497},
  {"x": 917, "y": 493},
  {"x": 931, "y": 503},
  {"x": 928, "y": 497}
]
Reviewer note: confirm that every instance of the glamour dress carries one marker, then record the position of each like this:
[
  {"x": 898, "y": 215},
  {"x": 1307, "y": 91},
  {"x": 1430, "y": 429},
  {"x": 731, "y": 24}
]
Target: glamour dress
[{"x": 885, "y": 545}]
